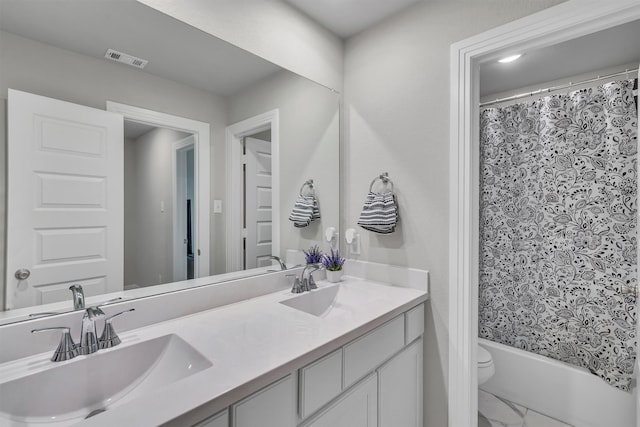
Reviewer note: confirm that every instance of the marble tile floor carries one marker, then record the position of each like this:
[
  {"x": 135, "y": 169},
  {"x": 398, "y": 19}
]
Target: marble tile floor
[{"x": 494, "y": 412}]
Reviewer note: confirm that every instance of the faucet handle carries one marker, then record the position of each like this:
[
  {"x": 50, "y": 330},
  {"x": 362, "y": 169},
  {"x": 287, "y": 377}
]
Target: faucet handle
[
  {"x": 67, "y": 349},
  {"x": 297, "y": 286},
  {"x": 44, "y": 313},
  {"x": 109, "y": 338},
  {"x": 312, "y": 282},
  {"x": 109, "y": 301}
]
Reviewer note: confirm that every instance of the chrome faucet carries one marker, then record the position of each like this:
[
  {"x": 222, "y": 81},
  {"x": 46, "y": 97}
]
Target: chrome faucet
[
  {"x": 78, "y": 296},
  {"x": 88, "y": 334},
  {"x": 89, "y": 341},
  {"x": 283, "y": 266},
  {"x": 305, "y": 282}
]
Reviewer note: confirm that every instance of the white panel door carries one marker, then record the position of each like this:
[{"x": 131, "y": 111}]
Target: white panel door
[
  {"x": 65, "y": 198},
  {"x": 258, "y": 206}
]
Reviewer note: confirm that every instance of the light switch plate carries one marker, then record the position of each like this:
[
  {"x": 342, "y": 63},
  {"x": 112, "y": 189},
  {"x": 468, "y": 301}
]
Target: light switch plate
[{"x": 217, "y": 206}]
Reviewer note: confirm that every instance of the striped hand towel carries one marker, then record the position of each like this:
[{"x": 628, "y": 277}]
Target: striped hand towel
[
  {"x": 304, "y": 211},
  {"x": 379, "y": 213}
]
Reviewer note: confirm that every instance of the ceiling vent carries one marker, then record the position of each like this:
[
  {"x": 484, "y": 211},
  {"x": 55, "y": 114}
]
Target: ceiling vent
[{"x": 124, "y": 58}]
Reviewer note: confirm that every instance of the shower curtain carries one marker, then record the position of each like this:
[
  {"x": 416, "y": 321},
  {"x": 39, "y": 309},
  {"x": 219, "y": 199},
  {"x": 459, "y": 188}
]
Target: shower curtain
[{"x": 558, "y": 237}]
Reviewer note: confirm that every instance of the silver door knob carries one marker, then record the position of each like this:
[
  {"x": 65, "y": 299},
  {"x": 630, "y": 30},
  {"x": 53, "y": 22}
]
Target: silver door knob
[{"x": 22, "y": 274}]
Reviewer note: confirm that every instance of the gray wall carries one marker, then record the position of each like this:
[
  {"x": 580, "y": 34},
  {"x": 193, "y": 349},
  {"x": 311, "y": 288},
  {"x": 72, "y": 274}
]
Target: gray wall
[
  {"x": 309, "y": 147},
  {"x": 130, "y": 206},
  {"x": 91, "y": 82},
  {"x": 396, "y": 111}
]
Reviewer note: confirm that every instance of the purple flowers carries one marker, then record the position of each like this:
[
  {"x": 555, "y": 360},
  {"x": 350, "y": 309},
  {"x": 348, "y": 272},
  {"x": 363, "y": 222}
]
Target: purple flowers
[
  {"x": 333, "y": 262},
  {"x": 313, "y": 255}
]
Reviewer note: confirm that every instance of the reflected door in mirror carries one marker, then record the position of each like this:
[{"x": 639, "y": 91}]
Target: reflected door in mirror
[
  {"x": 258, "y": 206},
  {"x": 65, "y": 187}
]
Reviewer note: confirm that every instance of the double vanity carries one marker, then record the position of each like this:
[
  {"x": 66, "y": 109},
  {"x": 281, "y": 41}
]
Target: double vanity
[{"x": 347, "y": 354}]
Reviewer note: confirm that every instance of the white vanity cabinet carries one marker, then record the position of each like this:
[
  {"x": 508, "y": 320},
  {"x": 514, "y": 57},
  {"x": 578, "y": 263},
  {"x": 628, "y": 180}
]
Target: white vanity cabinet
[{"x": 374, "y": 380}]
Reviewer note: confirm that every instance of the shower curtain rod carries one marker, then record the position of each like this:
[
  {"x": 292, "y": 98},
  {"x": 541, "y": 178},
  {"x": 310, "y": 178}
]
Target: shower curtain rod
[{"x": 554, "y": 88}]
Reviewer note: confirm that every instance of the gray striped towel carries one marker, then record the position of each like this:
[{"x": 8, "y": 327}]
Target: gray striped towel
[
  {"x": 379, "y": 213},
  {"x": 304, "y": 211}
]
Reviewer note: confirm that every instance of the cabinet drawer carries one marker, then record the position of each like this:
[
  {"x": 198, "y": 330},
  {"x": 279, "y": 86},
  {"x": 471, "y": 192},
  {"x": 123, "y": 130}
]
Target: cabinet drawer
[
  {"x": 221, "y": 419},
  {"x": 414, "y": 323},
  {"x": 274, "y": 405},
  {"x": 369, "y": 351},
  {"x": 320, "y": 382}
]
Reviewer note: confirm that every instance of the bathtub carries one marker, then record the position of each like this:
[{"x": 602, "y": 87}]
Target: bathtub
[{"x": 558, "y": 390}]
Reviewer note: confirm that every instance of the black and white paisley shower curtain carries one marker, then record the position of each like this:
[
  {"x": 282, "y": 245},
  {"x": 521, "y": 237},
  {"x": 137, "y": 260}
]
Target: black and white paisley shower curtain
[{"x": 558, "y": 208}]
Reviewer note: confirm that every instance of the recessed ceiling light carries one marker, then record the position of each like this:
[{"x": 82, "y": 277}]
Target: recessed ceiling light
[{"x": 509, "y": 58}]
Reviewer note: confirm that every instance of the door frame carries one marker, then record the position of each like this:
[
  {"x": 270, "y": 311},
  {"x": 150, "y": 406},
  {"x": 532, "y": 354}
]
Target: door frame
[
  {"x": 566, "y": 21},
  {"x": 178, "y": 169},
  {"x": 201, "y": 135},
  {"x": 235, "y": 200}
]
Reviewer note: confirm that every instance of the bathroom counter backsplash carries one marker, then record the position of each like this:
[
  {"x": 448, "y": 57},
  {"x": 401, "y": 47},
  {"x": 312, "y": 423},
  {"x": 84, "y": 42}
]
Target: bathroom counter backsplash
[{"x": 251, "y": 340}]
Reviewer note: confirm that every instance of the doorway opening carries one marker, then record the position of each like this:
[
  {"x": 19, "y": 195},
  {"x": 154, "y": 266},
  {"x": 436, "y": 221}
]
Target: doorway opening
[
  {"x": 253, "y": 182},
  {"x": 552, "y": 26},
  {"x": 166, "y": 197},
  {"x": 184, "y": 199},
  {"x": 158, "y": 186}
]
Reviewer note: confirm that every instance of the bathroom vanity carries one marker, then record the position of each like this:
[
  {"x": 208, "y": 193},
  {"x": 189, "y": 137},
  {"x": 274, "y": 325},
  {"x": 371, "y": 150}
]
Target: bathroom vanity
[
  {"x": 344, "y": 354},
  {"x": 373, "y": 380}
]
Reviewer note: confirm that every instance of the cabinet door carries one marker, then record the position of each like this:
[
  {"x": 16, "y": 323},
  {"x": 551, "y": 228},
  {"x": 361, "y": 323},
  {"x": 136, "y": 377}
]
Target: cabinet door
[
  {"x": 400, "y": 398},
  {"x": 357, "y": 407},
  {"x": 273, "y": 406},
  {"x": 320, "y": 382}
]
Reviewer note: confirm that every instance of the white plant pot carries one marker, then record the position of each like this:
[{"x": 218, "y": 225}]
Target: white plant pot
[{"x": 334, "y": 276}]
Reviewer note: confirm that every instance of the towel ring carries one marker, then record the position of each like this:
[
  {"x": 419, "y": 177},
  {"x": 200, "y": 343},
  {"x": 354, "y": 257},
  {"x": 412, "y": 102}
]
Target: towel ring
[
  {"x": 308, "y": 183},
  {"x": 384, "y": 177}
]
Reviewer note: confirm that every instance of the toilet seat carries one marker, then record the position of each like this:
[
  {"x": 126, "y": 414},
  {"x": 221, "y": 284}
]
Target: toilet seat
[
  {"x": 484, "y": 357},
  {"x": 485, "y": 365}
]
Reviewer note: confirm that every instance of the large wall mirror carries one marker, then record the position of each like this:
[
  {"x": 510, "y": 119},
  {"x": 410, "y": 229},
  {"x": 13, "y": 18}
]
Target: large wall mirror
[{"x": 215, "y": 146}]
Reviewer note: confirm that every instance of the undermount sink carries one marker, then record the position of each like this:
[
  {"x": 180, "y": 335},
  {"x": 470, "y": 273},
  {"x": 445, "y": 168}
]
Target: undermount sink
[
  {"x": 71, "y": 391},
  {"x": 318, "y": 302}
]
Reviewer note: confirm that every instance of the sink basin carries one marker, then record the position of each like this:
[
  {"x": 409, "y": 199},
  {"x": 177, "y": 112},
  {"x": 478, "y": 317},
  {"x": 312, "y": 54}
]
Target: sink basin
[
  {"x": 318, "y": 302},
  {"x": 71, "y": 391}
]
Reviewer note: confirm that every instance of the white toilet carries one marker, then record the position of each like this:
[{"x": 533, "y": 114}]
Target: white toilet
[
  {"x": 491, "y": 407},
  {"x": 485, "y": 365}
]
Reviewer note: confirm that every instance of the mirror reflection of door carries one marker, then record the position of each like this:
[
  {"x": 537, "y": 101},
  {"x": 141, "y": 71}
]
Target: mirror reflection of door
[
  {"x": 158, "y": 193},
  {"x": 65, "y": 189},
  {"x": 258, "y": 206}
]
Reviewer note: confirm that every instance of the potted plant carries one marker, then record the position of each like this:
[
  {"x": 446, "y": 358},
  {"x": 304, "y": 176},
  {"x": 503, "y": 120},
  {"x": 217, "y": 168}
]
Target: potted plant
[
  {"x": 313, "y": 255},
  {"x": 333, "y": 264}
]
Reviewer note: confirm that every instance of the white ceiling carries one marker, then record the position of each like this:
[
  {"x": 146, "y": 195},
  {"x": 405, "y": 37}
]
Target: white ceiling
[
  {"x": 598, "y": 51},
  {"x": 348, "y": 17},
  {"x": 175, "y": 50}
]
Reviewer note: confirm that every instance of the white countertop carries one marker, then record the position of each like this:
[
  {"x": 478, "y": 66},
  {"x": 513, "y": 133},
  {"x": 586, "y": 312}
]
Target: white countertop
[{"x": 250, "y": 344}]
